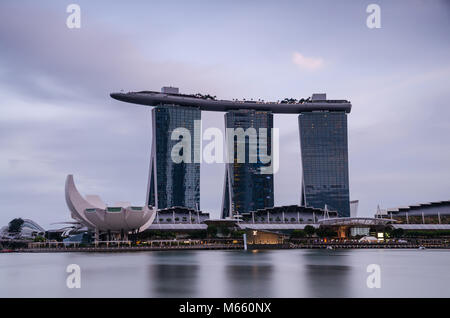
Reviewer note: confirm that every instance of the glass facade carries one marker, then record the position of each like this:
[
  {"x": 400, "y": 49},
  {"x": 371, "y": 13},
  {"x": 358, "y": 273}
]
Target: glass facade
[
  {"x": 323, "y": 141},
  {"x": 170, "y": 183},
  {"x": 245, "y": 188}
]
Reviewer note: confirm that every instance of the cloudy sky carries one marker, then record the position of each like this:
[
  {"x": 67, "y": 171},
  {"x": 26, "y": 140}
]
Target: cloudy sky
[{"x": 56, "y": 116}]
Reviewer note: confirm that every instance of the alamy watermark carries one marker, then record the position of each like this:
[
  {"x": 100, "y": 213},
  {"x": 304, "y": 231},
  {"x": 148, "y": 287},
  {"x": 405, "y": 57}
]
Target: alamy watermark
[
  {"x": 74, "y": 278},
  {"x": 374, "y": 19},
  {"x": 73, "y": 21},
  {"x": 237, "y": 140},
  {"x": 374, "y": 279}
]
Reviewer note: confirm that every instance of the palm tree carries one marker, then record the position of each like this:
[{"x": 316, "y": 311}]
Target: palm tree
[{"x": 309, "y": 230}]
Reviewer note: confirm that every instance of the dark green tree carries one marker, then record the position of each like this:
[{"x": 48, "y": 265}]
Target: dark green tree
[
  {"x": 325, "y": 232},
  {"x": 39, "y": 239},
  {"x": 200, "y": 234},
  {"x": 297, "y": 234},
  {"x": 309, "y": 230},
  {"x": 15, "y": 225},
  {"x": 212, "y": 230},
  {"x": 237, "y": 233},
  {"x": 398, "y": 232},
  {"x": 225, "y": 231}
]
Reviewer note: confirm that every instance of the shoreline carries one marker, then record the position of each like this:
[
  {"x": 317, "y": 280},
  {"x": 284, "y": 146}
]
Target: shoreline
[{"x": 118, "y": 249}]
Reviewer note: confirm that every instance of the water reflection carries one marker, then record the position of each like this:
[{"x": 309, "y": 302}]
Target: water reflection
[
  {"x": 168, "y": 280},
  {"x": 327, "y": 273},
  {"x": 249, "y": 280},
  {"x": 250, "y": 274},
  {"x": 277, "y": 273},
  {"x": 173, "y": 274}
]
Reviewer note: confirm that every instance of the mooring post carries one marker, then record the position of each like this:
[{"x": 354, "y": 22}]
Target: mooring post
[{"x": 245, "y": 241}]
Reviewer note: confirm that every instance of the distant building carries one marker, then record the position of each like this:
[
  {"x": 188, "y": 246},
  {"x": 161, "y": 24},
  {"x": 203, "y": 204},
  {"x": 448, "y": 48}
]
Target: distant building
[
  {"x": 80, "y": 238},
  {"x": 171, "y": 183},
  {"x": 358, "y": 226},
  {"x": 116, "y": 221},
  {"x": 323, "y": 136},
  {"x": 290, "y": 214},
  {"x": 422, "y": 213},
  {"x": 245, "y": 187},
  {"x": 261, "y": 238},
  {"x": 28, "y": 230},
  {"x": 324, "y": 151},
  {"x": 354, "y": 208},
  {"x": 180, "y": 215}
]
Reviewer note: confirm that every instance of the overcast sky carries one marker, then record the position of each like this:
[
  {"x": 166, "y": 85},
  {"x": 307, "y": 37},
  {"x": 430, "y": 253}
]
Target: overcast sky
[{"x": 56, "y": 116}]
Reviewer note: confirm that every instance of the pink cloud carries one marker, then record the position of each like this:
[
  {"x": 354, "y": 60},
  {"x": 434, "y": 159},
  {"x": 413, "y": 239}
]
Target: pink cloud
[{"x": 307, "y": 63}]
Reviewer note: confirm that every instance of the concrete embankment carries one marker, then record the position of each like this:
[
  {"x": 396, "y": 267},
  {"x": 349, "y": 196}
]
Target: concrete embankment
[
  {"x": 112, "y": 249},
  {"x": 117, "y": 249}
]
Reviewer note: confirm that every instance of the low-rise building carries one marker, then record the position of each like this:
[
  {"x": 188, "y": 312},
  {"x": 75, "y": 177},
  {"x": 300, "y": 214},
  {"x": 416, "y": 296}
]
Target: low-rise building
[
  {"x": 422, "y": 213},
  {"x": 180, "y": 215},
  {"x": 289, "y": 214}
]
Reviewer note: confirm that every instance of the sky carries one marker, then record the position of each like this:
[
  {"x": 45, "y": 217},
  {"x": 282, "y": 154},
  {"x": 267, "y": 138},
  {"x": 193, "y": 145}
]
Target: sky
[{"x": 57, "y": 118}]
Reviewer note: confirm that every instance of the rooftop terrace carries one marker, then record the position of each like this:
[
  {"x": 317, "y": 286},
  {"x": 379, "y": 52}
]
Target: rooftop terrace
[{"x": 318, "y": 102}]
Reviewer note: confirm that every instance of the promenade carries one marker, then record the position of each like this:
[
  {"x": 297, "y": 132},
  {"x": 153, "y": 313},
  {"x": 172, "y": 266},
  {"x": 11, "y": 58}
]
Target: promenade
[{"x": 220, "y": 244}]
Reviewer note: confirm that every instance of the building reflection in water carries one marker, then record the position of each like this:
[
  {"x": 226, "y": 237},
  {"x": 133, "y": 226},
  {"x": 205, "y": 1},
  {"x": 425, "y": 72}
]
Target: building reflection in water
[
  {"x": 263, "y": 273},
  {"x": 206, "y": 273},
  {"x": 327, "y": 273},
  {"x": 173, "y": 274},
  {"x": 249, "y": 274}
]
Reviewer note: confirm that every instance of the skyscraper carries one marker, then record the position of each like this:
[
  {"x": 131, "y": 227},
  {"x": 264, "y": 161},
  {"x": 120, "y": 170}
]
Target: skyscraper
[
  {"x": 245, "y": 187},
  {"x": 170, "y": 183},
  {"x": 323, "y": 137},
  {"x": 324, "y": 149}
]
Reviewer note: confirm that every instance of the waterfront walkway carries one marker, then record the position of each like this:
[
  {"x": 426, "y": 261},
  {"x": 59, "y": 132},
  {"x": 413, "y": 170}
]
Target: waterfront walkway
[
  {"x": 368, "y": 245},
  {"x": 235, "y": 246},
  {"x": 125, "y": 248},
  {"x": 219, "y": 244}
]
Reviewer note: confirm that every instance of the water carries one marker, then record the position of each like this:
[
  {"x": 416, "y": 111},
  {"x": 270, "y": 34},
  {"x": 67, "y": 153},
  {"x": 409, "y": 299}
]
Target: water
[{"x": 276, "y": 273}]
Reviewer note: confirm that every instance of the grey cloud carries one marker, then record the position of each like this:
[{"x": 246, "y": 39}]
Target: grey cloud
[{"x": 56, "y": 116}]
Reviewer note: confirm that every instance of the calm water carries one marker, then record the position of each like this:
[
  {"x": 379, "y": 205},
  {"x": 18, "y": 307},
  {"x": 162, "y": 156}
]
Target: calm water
[{"x": 278, "y": 273}]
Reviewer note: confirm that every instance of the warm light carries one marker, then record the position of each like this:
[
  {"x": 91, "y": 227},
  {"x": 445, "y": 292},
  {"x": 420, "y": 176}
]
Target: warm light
[{"x": 255, "y": 233}]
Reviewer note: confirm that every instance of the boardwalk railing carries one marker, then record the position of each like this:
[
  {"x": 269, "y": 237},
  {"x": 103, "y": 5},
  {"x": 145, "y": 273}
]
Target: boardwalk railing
[{"x": 125, "y": 248}]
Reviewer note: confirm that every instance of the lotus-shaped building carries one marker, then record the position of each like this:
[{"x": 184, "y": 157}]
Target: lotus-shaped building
[{"x": 93, "y": 213}]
